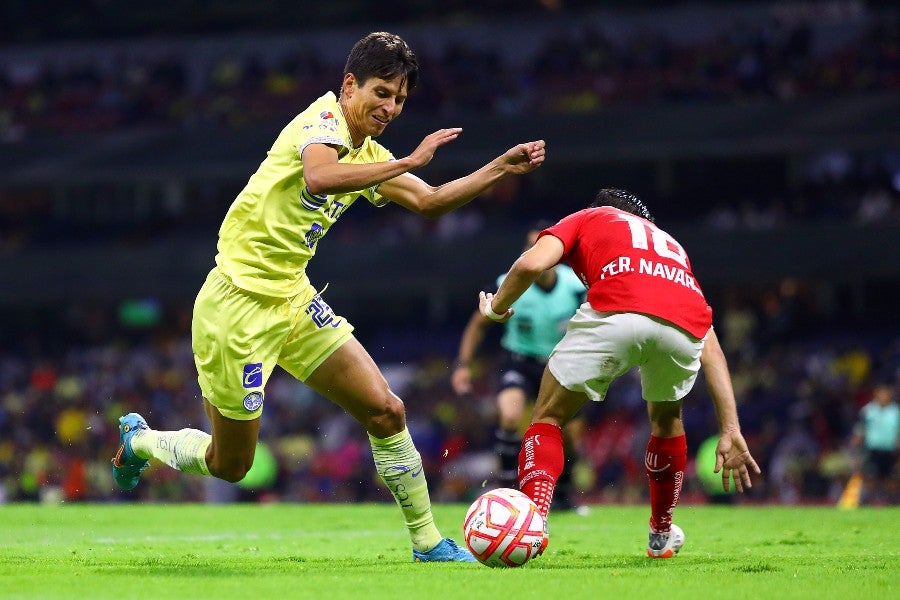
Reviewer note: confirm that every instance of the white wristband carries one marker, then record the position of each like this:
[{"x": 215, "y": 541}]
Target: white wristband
[{"x": 490, "y": 314}]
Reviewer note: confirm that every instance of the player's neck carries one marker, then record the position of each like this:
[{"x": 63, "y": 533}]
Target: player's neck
[{"x": 355, "y": 137}]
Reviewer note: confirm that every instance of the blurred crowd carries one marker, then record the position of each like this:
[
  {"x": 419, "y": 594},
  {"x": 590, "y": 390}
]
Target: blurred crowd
[
  {"x": 799, "y": 386},
  {"x": 837, "y": 187},
  {"x": 579, "y": 70}
]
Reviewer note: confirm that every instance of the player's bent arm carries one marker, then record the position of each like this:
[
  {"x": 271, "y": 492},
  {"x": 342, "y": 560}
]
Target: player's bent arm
[
  {"x": 416, "y": 195},
  {"x": 325, "y": 175},
  {"x": 471, "y": 340},
  {"x": 733, "y": 458},
  {"x": 545, "y": 253},
  {"x": 473, "y": 335},
  {"x": 718, "y": 382}
]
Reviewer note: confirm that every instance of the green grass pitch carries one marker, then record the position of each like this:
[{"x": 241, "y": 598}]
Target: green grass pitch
[{"x": 362, "y": 551}]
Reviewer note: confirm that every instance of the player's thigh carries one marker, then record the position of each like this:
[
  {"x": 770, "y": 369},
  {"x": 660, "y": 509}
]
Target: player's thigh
[
  {"x": 322, "y": 352},
  {"x": 350, "y": 378},
  {"x": 316, "y": 333},
  {"x": 596, "y": 349},
  {"x": 233, "y": 442},
  {"x": 669, "y": 368},
  {"x": 511, "y": 406},
  {"x": 236, "y": 339},
  {"x": 556, "y": 404}
]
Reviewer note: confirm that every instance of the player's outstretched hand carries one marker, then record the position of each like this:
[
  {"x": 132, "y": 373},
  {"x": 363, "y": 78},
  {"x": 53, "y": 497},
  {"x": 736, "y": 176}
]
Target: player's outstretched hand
[
  {"x": 733, "y": 459},
  {"x": 524, "y": 158},
  {"x": 484, "y": 305},
  {"x": 423, "y": 154},
  {"x": 461, "y": 380}
]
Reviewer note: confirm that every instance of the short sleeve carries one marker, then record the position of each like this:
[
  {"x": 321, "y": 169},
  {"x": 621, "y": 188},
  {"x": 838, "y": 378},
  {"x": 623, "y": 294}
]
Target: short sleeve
[{"x": 321, "y": 127}]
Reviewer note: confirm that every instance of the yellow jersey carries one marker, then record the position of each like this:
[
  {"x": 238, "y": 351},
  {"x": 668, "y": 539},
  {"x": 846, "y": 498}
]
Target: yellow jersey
[{"x": 272, "y": 228}]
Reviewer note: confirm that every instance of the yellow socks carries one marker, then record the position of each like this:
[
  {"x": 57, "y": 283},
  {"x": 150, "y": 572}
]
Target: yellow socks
[
  {"x": 400, "y": 467},
  {"x": 184, "y": 449}
]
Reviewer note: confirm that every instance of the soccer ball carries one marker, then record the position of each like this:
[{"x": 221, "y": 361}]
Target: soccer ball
[{"x": 503, "y": 528}]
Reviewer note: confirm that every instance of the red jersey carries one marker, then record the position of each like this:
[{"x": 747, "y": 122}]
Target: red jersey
[{"x": 631, "y": 265}]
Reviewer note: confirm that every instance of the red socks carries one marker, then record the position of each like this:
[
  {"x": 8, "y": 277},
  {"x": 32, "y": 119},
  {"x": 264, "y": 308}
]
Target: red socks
[
  {"x": 665, "y": 463},
  {"x": 541, "y": 461}
]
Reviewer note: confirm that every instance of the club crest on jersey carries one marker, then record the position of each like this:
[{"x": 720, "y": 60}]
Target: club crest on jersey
[
  {"x": 315, "y": 232},
  {"x": 253, "y": 376},
  {"x": 253, "y": 401}
]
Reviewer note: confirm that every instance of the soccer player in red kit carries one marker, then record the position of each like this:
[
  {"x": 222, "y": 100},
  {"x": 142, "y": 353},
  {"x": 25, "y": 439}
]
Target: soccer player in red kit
[{"x": 644, "y": 308}]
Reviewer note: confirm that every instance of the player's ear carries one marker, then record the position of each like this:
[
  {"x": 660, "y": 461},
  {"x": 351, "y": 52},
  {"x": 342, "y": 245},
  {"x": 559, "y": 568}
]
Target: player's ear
[{"x": 348, "y": 85}]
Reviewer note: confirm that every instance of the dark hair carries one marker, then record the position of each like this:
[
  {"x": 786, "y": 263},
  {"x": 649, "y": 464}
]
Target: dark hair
[
  {"x": 383, "y": 55},
  {"x": 622, "y": 200}
]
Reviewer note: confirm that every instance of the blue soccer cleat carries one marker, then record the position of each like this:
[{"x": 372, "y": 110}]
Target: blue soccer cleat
[
  {"x": 446, "y": 551},
  {"x": 126, "y": 466}
]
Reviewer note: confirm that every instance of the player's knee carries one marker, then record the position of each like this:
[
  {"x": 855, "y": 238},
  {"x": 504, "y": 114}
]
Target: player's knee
[
  {"x": 549, "y": 413},
  {"x": 232, "y": 470},
  {"x": 665, "y": 419},
  {"x": 388, "y": 418}
]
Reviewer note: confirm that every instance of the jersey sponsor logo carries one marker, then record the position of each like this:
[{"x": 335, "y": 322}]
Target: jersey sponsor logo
[
  {"x": 253, "y": 375},
  {"x": 253, "y": 401},
  {"x": 314, "y": 234},
  {"x": 327, "y": 121},
  {"x": 336, "y": 209}
]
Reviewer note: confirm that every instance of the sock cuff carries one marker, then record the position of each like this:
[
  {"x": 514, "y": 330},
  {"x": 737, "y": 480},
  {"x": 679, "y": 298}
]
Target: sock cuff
[
  {"x": 201, "y": 459},
  {"x": 391, "y": 441},
  {"x": 673, "y": 446},
  {"x": 547, "y": 429}
]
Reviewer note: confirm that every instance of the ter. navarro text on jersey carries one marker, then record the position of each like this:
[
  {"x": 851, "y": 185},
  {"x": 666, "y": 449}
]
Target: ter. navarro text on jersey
[{"x": 674, "y": 274}]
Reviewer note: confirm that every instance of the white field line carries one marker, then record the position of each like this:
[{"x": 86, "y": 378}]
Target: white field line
[{"x": 235, "y": 536}]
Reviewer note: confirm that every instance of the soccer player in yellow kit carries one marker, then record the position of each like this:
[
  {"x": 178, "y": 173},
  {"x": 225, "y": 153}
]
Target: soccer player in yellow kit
[{"x": 257, "y": 307}]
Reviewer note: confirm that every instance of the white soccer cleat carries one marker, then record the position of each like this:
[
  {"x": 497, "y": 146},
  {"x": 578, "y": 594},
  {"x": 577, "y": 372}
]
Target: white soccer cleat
[{"x": 665, "y": 545}]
